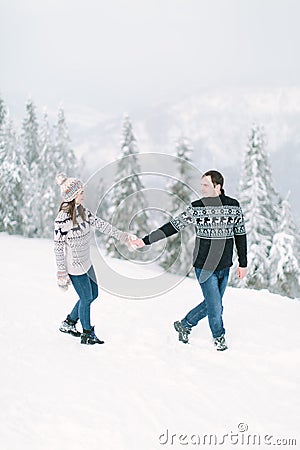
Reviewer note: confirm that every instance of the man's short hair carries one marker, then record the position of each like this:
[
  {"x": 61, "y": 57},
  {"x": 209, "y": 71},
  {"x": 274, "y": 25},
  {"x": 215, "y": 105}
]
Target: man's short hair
[{"x": 216, "y": 177}]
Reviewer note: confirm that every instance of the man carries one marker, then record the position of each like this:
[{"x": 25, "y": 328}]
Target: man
[{"x": 219, "y": 222}]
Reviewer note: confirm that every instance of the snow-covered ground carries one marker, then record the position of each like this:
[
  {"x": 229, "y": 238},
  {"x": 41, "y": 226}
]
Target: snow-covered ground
[{"x": 142, "y": 390}]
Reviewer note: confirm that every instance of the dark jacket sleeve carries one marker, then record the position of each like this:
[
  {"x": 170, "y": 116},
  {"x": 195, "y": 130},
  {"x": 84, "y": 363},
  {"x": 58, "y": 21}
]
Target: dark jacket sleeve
[
  {"x": 174, "y": 226},
  {"x": 161, "y": 233},
  {"x": 240, "y": 238},
  {"x": 241, "y": 247}
]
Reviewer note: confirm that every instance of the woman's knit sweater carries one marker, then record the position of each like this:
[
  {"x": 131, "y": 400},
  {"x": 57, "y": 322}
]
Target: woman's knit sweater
[{"x": 72, "y": 242}]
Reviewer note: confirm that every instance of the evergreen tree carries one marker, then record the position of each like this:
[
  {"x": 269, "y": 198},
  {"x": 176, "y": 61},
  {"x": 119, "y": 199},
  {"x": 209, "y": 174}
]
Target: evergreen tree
[
  {"x": 30, "y": 136},
  {"x": 177, "y": 257},
  {"x": 103, "y": 200},
  {"x": 284, "y": 266},
  {"x": 3, "y": 155},
  {"x": 102, "y": 210},
  {"x": 259, "y": 202},
  {"x": 12, "y": 171},
  {"x": 56, "y": 156},
  {"x": 3, "y": 112},
  {"x": 51, "y": 163},
  {"x": 31, "y": 182},
  {"x": 128, "y": 201},
  {"x": 65, "y": 158}
]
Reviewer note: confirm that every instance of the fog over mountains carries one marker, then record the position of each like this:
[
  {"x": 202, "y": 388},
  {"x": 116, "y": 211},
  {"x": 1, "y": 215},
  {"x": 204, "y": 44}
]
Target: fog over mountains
[{"x": 216, "y": 121}]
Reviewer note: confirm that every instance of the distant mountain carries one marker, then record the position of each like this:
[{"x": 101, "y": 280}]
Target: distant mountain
[{"x": 216, "y": 121}]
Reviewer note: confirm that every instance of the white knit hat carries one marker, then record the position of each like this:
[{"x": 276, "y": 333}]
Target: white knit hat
[{"x": 69, "y": 187}]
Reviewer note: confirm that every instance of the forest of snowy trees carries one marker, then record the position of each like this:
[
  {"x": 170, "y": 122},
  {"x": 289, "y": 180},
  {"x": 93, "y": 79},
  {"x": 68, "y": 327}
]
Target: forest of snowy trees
[
  {"x": 29, "y": 161},
  {"x": 273, "y": 250},
  {"x": 29, "y": 198}
]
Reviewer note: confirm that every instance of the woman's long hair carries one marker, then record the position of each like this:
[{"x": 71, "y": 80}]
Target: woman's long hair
[{"x": 70, "y": 207}]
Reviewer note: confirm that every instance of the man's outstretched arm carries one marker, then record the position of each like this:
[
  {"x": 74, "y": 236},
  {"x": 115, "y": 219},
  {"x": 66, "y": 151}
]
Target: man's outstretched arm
[
  {"x": 161, "y": 233},
  {"x": 168, "y": 229}
]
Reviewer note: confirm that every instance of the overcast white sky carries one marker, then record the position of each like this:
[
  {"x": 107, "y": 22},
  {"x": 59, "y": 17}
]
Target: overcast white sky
[{"x": 118, "y": 55}]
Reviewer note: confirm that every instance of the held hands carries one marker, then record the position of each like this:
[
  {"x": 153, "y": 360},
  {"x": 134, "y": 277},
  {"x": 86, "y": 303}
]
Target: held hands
[
  {"x": 63, "y": 279},
  {"x": 241, "y": 272},
  {"x": 135, "y": 242}
]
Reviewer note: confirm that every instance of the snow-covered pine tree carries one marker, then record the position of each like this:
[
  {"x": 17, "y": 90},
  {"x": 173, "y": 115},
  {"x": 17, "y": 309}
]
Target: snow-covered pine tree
[
  {"x": 177, "y": 257},
  {"x": 128, "y": 200},
  {"x": 259, "y": 201},
  {"x": 283, "y": 263},
  {"x": 30, "y": 136},
  {"x": 102, "y": 210},
  {"x": 12, "y": 170},
  {"x": 64, "y": 154},
  {"x": 102, "y": 200},
  {"x": 57, "y": 156},
  {"x": 3, "y": 112},
  {"x": 31, "y": 182},
  {"x": 3, "y": 155},
  {"x": 51, "y": 163}
]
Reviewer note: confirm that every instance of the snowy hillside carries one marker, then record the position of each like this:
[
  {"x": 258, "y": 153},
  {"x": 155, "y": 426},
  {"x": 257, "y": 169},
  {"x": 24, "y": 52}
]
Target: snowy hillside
[{"x": 142, "y": 386}]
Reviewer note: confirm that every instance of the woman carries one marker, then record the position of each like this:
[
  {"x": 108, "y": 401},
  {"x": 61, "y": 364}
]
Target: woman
[{"x": 72, "y": 252}]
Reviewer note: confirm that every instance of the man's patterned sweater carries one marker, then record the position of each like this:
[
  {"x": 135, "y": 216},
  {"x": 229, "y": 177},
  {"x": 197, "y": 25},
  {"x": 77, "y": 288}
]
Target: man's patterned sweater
[{"x": 218, "y": 222}]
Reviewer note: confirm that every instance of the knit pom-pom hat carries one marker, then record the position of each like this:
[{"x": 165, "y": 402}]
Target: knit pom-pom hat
[{"x": 69, "y": 187}]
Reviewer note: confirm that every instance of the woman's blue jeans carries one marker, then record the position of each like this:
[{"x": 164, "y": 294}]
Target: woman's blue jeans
[
  {"x": 213, "y": 285},
  {"x": 87, "y": 289}
]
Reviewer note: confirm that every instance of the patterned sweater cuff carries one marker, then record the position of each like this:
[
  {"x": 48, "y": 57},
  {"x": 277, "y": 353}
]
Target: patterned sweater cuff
[{"x": 123, "y": 237}]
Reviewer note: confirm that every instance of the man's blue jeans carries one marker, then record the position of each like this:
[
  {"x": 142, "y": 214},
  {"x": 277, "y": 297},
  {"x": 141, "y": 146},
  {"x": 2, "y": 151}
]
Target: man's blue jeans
[
  {"x": 213, "y": 285},
  {"x": 87, "y": 289}
]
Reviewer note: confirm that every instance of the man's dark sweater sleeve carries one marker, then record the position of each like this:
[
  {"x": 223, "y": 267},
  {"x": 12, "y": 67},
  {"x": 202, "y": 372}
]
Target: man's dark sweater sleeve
[
  {"x": 241, "y": 247},
  {"x": 175, "y": 225},
  {"x": 161, "y": 233},
  {"x": 240, "y": 238}
]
